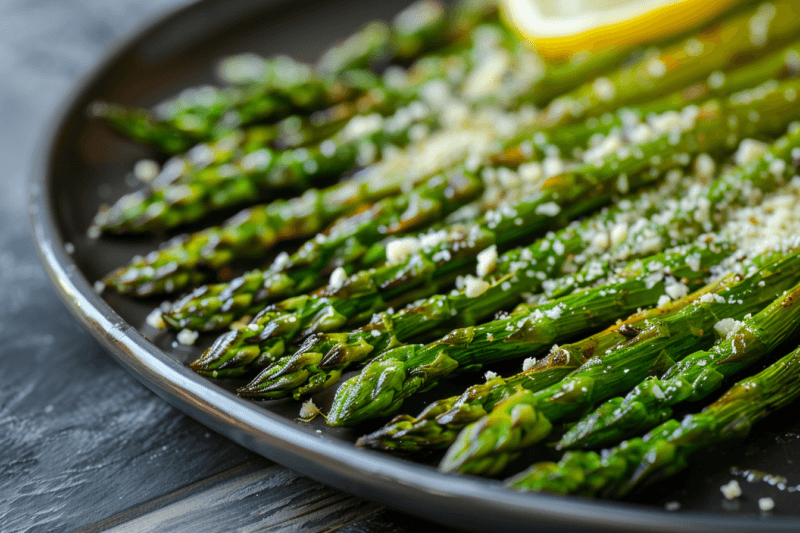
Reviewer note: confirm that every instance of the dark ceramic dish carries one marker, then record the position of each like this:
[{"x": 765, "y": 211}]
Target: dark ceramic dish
[{"x": 81, "y": 164}]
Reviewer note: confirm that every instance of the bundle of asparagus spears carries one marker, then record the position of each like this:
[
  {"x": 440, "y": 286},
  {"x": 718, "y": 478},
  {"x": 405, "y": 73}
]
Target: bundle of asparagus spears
[{"x": 624, "y": 224}]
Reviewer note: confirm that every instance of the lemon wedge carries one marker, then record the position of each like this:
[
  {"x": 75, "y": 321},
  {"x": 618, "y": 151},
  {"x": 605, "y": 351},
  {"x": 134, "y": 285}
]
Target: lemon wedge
[{"x": 560, "y": 28}]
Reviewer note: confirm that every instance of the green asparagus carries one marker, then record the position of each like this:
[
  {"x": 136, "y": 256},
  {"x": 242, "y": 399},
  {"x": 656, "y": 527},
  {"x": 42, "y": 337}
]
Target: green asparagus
[
  {"x": 665, "y": 450},
  {"x": 711, "y": 130},
  {"x": 437, "y": 426},
  {"x": 694, "y": 378},
  {"x": 242, "y": 181},
  {"x": 342, "y": 245},
  {"x": 323, "y": 357},
  {"x": 487, "y": 446},
  {"x": 385, "y": 382}
]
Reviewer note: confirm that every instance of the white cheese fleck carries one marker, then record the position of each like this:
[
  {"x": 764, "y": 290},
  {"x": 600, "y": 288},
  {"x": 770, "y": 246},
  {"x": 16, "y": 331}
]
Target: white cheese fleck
[
  {"x": 604, "y": 89},
  {"x": 474, "y": 287},
  {"x": 549, "y": 209},
  {"x": 337, "y": 279},
  {"x": 155, "y": 319},
  {"x": 487, "y": 261},
  {"x": 490, "y": 375},
  {"x": 672, "y": 506},
  {"x": 676, "y": 290},
  {"x": 707, "y": 298},
  {"x": 187, "y": 336},
  {"x": 731, "y": 490},
  {"x": 555, "y": 312},
  {"x": 309, "y": 410},
  {"x": 766, "y": 504},
  {"x": 727, "y": 327},
  {"x": 528, "y": 363},
  {"x": 398, "y": 250},
  {"x": 146, "y": 170},
  {"x": 749, "y": 149}
]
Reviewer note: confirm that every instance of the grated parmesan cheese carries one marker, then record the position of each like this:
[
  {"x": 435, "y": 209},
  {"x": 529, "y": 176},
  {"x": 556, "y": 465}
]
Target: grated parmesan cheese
[
  {"x": 187, "y": 336},
  {"x": 337, "y": 279},
  {"x": 548, "y": 209},
  {"x": 528, "y": 363},
  {"x": 766, "y": 504},
  {"x": 749, "y": 149},
  {"x": 731, "y": 490},
  {"x": 309, "y": 410},
  {"x": 398, "y": 250},
  {"x": 487, "y": 261},
  {"x": 727, "y": 327},
  {"x": 155, "y": 319},
  {"x": 474, "y": 287}
]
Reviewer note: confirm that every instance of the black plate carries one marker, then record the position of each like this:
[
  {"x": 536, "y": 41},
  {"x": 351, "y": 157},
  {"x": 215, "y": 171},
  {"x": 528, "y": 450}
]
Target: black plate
[{"x": 82, "y": 165}]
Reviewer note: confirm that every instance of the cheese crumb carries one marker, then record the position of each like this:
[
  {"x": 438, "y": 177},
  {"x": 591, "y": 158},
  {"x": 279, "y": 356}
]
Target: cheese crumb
[
  {"x": 707, "y": 298},
  {"x": 676, "y": 290},
  {"x": 155, "y": 319},
  {"x": 555, "y": 312},
  {"x": 727, "y": 327},
  {"x": 672, "y": 506},
  {"x": 658, "y": 393},
  {"x": 704, "y": 167},
  {"x": 308, "y": 411},
  {"x": 766, "y": 504},
  {"x": 549, "y": 209},
  {"x": 618, "y": 233},
  {"x": 187, "y": 336},
  {"x": 731, "y": 490},
  {"x": 528, "y": 363},
  {"x": 487, "y": 261},
  {"x": 398, "y": 250},
  {"x": 474, "y": 286},
  {"x": 749, "y": 149},
  {"x": 337, "y": 279},
  {"x": 663, "y": 300},
  {"x": 604, "y": 89},
  {"x": 146, "y": 170},
  {"x": 490, "y": 375}
]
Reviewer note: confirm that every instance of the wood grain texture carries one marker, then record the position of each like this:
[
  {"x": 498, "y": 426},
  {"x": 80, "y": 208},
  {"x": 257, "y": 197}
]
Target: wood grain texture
[{"x": 246, "y": 498}]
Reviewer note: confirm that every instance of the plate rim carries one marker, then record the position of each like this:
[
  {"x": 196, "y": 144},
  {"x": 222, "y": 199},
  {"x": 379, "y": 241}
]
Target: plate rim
[{"x": 366, "y": 473}]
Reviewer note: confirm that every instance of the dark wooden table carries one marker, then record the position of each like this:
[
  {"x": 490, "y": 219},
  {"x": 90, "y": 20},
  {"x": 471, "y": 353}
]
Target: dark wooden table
[{"x": 83, "y": 445}]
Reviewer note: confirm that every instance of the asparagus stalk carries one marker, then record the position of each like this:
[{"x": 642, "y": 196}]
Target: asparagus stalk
[
  {"x": 422, "y": 26},
  {"x": 486, "y": 446},
  {"x": 779, "y": 65},
  {"x": 437, "y": 426},
  {"x": 242, "y": 181},
  {"x": 526, "y": 215},
  {"x": 677, "y": 223},
  {"x": 184, "y": 261},
  {"x": 694, "y": 378},
  {"x": 272, "y": 88},
  {"x": 322, "y": 358},
  {"x": 681, "y": 63},
  {"x": 445, "y": 253},
  {"x": 665, "y": 450},
  {"x": 203, "y": 113},
  {"x": 347, "y": 241},
  {"x": 628, "y": 85},
  {"x": 385, "y": 382}
]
